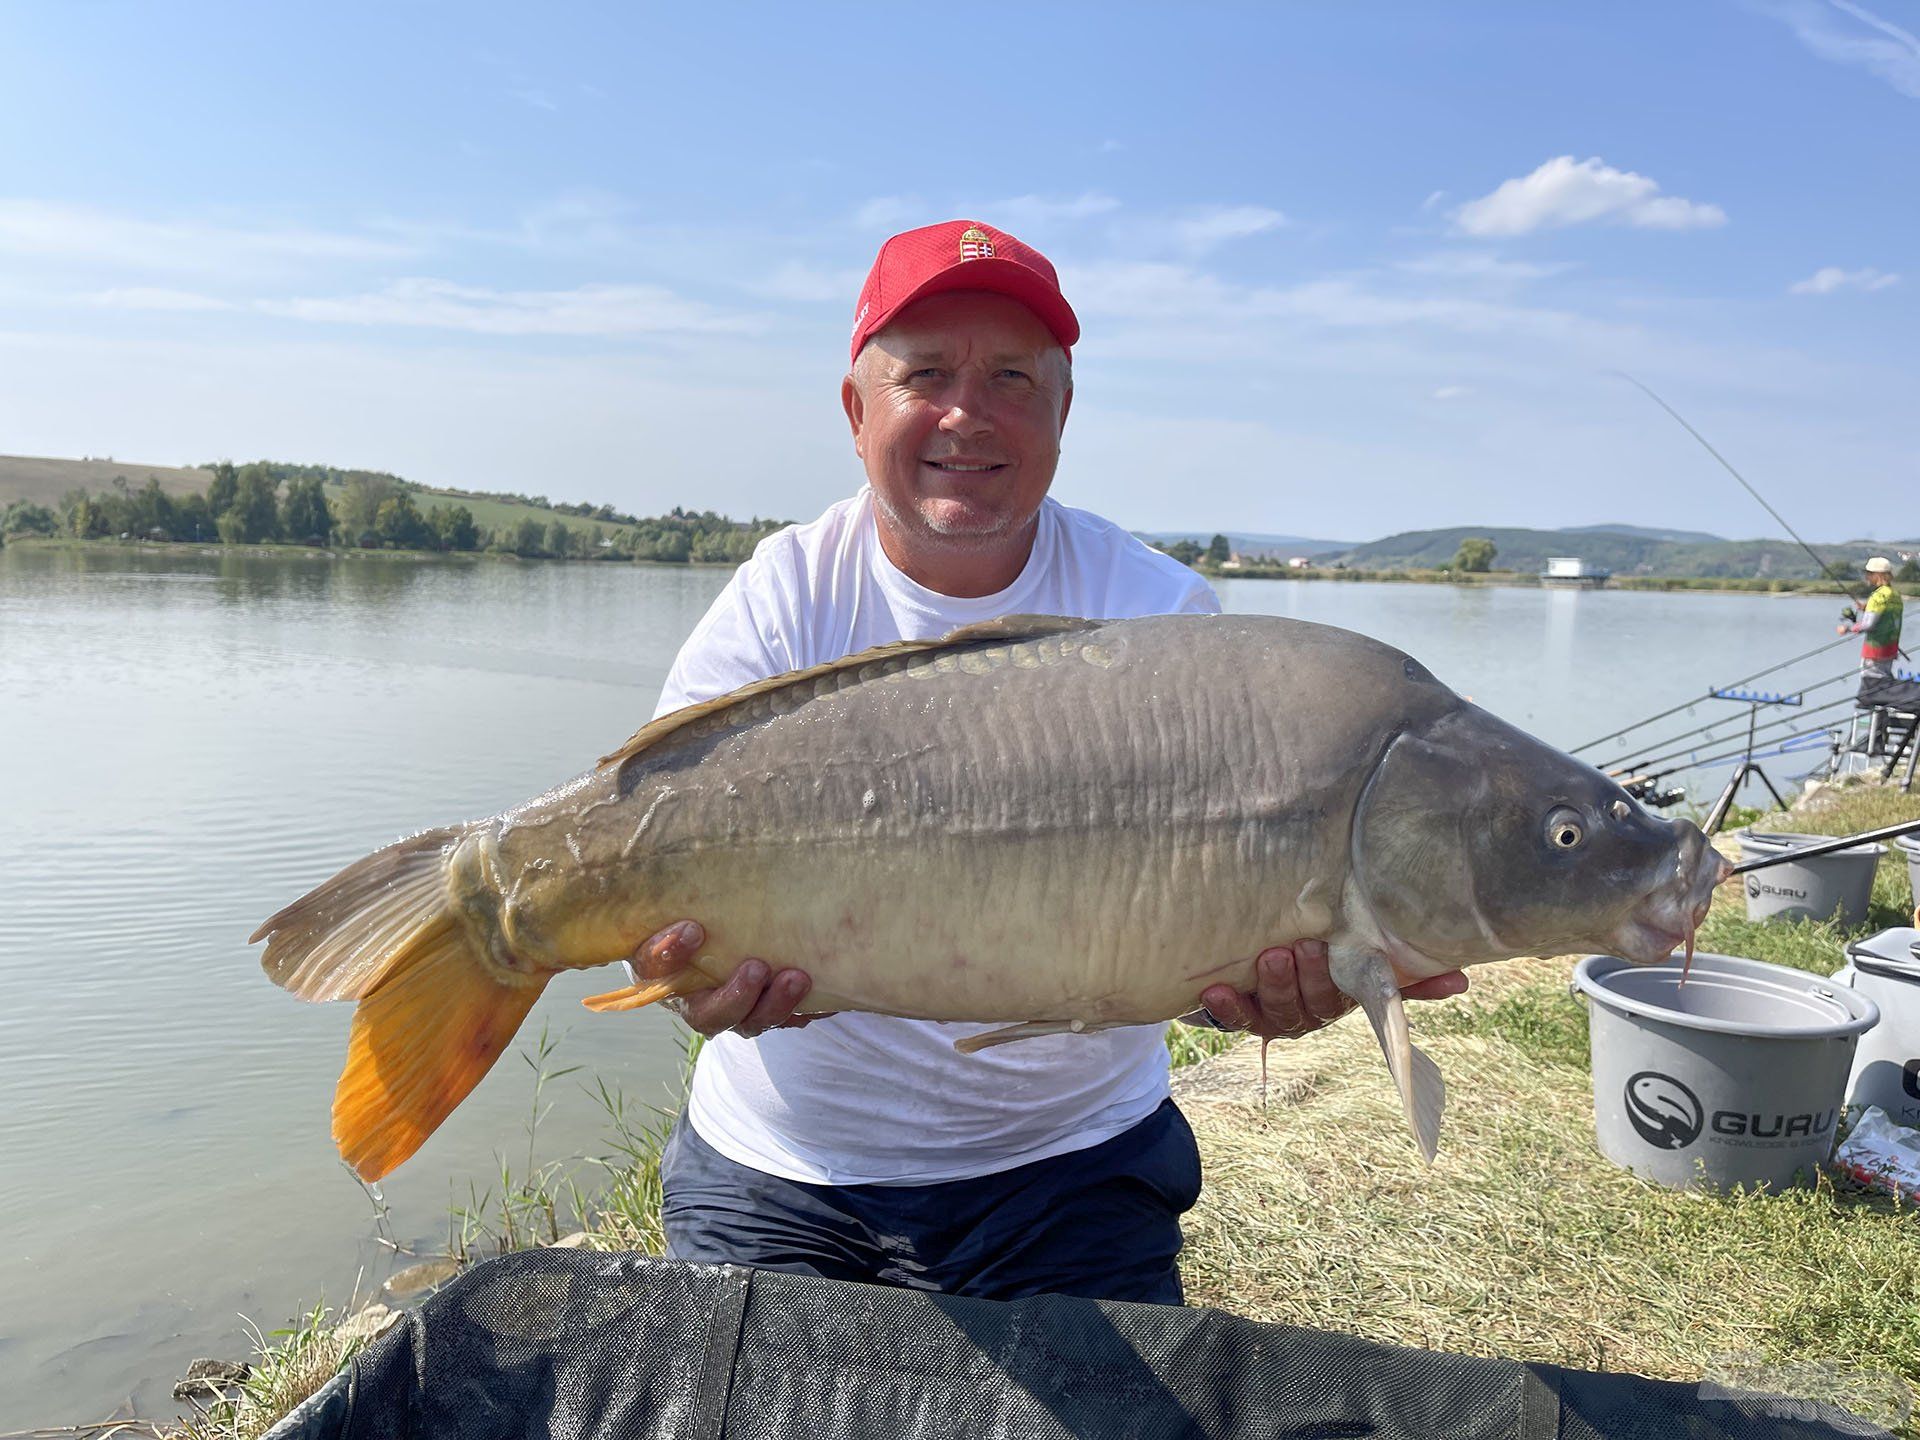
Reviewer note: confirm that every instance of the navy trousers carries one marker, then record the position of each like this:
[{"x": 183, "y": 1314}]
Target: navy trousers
[{"x": 1103, "y": 1223}]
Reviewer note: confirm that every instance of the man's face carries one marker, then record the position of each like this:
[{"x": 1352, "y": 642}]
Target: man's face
[{"x": 956, "y": 409}]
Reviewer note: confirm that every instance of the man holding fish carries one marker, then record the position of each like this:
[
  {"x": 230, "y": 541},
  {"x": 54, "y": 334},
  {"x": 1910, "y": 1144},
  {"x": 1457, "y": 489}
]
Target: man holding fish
[
  {"x": 892, "y": 757},
  {"x": 865, "y": 1146}
]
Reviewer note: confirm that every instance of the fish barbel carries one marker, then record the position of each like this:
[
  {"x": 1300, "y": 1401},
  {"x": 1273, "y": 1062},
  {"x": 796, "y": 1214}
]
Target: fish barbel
[{"x": 1064, "y": 825}]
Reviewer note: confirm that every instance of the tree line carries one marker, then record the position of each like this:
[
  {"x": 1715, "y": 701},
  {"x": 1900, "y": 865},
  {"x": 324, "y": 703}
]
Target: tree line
[{"x": 267, "y": 503}]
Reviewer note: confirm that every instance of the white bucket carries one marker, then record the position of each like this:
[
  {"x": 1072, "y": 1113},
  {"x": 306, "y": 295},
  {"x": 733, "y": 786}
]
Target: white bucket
[
  {"x": 1886, "y": 1068},
  {"x": 1733, "y": 1079},
  {"x": 1810, "y": 889}
]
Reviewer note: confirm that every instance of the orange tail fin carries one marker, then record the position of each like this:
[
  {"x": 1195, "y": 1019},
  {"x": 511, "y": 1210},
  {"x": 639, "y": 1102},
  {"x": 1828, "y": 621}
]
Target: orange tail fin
[{"x": 421, "y": 1040}]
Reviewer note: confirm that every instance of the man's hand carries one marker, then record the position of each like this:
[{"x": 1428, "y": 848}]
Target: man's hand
[
  {"x": 755, "y": 999},
  {"x": 1295, "y": 995}
]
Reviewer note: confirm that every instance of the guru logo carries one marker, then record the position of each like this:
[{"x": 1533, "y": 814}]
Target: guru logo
[
  {"x": 1666, "y": 1113},
  {"x": 1753, "y": 887}
]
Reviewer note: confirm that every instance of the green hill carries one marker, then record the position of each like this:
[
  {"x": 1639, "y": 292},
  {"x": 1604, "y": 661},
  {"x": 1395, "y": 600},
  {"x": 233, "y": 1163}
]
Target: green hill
[{"x": 1526, "y": 551}]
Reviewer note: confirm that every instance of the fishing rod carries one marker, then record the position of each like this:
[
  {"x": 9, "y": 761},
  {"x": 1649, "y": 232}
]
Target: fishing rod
[
  {"x": 1825, "y": 569},
  {"x": 1783, "y": 745},
  {"x": 1689, "y": 704},
  {"x": 1692, "y": 760},
  {"x": 1685, "y": 753},
  {"x": 1634, "y": 757},
  {"x": 1865, "y": 837}
]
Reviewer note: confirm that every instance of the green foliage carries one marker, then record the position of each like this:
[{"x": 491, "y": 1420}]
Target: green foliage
[
  {"x": 305, "y": 518},
  {"x": 257, "y": 506},
  {"x": 1909, "y": 570},
  {"x": 1190, "y": 1044},
  {"x": 23, "y": 517},
  {"x": 222, "y": 488},
  {"x": 358, "y": 508},
  {"x": 399, "y": 524},
  {"x": 1475, "y": 555},
  {"x": 1218, "y": 551},
  {"x": 453, "y": 527},
  {"x": 528, "y": 540},
  {"x": 193, "y": 519},
  {"x": 372, "y": 509},
  {"x": 1185, "y": 551}
]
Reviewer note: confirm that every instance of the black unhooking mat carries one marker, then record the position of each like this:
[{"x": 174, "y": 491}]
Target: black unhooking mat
[{"x": 572, "y": 1345}]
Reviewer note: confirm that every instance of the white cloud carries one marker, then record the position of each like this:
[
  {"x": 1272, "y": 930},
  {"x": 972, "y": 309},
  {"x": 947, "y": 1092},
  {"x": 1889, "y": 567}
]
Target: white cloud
[
  {"x": 595, "y": 310},
  {"x": 81, "y": 234},
  {"x": 1889, "y": 52},
  {"x": 1481, "y": 265},
  {"x": 1452, "y": 392},
  {"x": 1111, "y": 147},
  {"x": 139, "y": 297},
  {"x": 1829, "y": 278},
  {"x": 534, "y": 99},
  {"x": 1562, "y": 192},
  {"x": 1210, "y": 228},
  {"x": 1433, "y": 199}
]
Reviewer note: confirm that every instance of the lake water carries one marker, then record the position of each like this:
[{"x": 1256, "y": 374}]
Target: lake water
[{"x": 189, "y": 740}]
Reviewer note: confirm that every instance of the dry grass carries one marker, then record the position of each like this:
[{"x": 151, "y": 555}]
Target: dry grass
[
  {"x": 290, "y": 1365},
  {"x": 1522, "y": 1240}
]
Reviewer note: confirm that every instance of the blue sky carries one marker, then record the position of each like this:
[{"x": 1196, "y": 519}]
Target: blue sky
[{"x": 1342, "y": 269}]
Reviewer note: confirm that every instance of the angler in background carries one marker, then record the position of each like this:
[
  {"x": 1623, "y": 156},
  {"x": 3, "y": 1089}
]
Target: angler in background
[{"x": 1878, "y": 620}]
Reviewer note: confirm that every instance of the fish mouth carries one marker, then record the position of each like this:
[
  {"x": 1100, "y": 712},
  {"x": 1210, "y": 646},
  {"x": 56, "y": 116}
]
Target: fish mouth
[{"x": 1668, "y": 919}]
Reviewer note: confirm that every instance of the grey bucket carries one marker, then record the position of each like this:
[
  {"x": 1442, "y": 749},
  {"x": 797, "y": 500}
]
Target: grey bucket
[
  {"x": 1733, "y": 1079},
  {"x": 1886, "y": 1070},
  {"x": 1910, "y": 847},
  {"x": 1808, "y": 889}
]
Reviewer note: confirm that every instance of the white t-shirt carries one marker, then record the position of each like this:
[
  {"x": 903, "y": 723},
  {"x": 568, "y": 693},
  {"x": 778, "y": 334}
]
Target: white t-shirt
[{"x": 871, "y": 1099}]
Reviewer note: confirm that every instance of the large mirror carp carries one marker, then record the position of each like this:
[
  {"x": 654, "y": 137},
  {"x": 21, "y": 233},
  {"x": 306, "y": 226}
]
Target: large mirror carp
[{"x": 1065, "y": 825}]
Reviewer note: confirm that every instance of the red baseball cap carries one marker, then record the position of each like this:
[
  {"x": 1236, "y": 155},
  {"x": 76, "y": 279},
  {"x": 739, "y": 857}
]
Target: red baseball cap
[{"x": 960, "y": 255}]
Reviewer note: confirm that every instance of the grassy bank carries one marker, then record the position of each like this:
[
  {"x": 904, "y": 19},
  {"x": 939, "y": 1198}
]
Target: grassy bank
[{"x": 1520, "y": 1241}]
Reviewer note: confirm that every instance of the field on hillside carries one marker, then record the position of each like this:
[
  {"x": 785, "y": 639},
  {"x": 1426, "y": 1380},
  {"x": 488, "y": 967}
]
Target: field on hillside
[{"x": 43, "y": 481}]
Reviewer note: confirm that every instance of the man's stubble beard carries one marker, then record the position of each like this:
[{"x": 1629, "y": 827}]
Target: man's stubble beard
[{"x": 959, "y": 538}]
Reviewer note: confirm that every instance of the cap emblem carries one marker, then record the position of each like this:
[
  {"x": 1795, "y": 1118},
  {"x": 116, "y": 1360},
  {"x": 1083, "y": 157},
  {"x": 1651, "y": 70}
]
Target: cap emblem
[{"x": 975, "y": 244}]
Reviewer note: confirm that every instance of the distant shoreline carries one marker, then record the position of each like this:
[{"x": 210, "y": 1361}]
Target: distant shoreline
[
  {"x": 1660, "y": 584},
  {"x": 337, "y": 552}
]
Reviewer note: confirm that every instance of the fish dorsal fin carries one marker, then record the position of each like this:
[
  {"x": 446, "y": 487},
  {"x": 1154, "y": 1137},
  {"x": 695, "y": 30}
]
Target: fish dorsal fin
[{"x": 1007, "y": 629}]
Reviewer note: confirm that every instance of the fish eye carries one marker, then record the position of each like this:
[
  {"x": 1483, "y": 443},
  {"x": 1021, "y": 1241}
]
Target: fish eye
[
  {"x": 1621, "y": 810},
  {"x": 1565, "y": 830}
]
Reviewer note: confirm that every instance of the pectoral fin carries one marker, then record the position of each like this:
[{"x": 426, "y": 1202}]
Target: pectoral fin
[{"x": 1368, "y": 977}]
